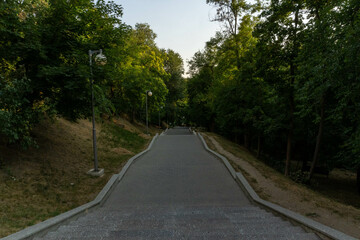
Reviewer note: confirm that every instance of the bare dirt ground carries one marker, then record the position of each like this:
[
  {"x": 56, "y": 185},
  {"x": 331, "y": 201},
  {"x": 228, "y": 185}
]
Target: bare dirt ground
[{"x": 274, "y": 187}]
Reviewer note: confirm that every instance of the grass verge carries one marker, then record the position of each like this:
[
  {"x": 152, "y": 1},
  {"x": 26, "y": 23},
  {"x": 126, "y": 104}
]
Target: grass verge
[{"x": 41, "y": 183}]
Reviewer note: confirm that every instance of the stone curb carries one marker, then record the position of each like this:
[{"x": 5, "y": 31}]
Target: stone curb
[
  {"x": 131, "y": 160},
  {"x": 163, "y": 133},
  {"x": 52, "y": 223},
  {"x": 225, "y": 161},
  {"x": 192, "y": 130},
  {"x": 316, "y": 226}
]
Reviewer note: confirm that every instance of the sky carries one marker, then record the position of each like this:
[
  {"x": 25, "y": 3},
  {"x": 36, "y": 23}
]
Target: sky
[{"x": 181, "y": 25}]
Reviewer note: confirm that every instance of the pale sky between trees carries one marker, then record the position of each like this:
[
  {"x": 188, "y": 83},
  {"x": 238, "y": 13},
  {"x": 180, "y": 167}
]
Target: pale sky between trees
[{"x": 181, "y": 25}]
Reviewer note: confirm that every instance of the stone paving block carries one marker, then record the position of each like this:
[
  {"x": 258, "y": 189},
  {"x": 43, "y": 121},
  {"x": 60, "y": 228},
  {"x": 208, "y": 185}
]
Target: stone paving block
[
  {"x": 294, "y": 236},
  {"x": 177, "y": 190}
]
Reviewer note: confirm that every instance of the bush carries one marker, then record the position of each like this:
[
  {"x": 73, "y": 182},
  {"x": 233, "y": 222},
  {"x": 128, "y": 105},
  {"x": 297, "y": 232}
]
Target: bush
[
  {"x": 300, "y": 177},
  {"x": 17, "y": 114}
]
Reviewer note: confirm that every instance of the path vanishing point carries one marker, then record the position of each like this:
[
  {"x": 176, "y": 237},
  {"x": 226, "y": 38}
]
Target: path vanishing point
[{"x": 178, "y": 190}]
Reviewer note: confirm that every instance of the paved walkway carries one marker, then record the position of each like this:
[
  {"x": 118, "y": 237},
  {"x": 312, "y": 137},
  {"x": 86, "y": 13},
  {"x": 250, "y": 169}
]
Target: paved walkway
[
  {"x": 178, "y": 191},
  {"x": 177, "y": 172}
]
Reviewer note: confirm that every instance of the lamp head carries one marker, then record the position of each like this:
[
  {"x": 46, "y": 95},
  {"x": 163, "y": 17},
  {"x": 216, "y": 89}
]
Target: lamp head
[
  {"x": 100, "y": 59},
  {"x": 149, "y": 93}
]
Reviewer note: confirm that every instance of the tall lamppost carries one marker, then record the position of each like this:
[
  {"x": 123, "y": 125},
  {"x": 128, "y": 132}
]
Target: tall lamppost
[
  {"x": 101, "y": 60},
  {"x": 148, "y": 93},
  {"x": 159, "y": 115}
]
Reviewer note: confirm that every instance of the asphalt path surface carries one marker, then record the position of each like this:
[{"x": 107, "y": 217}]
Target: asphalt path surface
[
  {"x": 178, "y": 171},
  {"x": 178, "y": 190}
]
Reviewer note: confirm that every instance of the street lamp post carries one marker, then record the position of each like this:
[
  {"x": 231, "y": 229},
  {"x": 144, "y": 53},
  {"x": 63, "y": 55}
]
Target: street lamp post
[
  {"x": 148, "y": 93},
  {"x": 159, "y": 115},
  {"x": 101, "y": 59}
]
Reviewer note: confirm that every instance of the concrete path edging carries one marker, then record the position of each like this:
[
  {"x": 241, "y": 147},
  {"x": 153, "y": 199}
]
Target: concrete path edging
[
  {"x": 316, "y": 226},
  {"x": 52, "y": 223},
  {"x": 225, "y": 161},
  {"x": 163, "y": 133},
  {"x": 131, "y": 160},
  {"x": 192, "y": 130}
]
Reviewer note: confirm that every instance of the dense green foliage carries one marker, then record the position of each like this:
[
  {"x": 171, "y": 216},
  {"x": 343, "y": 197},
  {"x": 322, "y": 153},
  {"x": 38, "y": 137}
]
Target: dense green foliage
[
  {"x": 284, "y": 80},
  {"x": 45, "y": 71}
]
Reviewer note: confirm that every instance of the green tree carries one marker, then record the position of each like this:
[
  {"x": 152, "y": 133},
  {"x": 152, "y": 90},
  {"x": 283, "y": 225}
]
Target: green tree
[
  {"x": 141, "y": 69},
  {"x": 238, "y": 22},
  {"x": 19, "y": 46},
  {"x": 345, "y": 85},
  {"x": 279, "y": 43},
  {"x": 350, "y": 87},
  {"x": 201, "y": 69},
  {"x": 44, "y": 58},
  {"x": 318, "y": 62},
  {"x": 175, "y": 83},
  {"x": 69, "y": 30}
]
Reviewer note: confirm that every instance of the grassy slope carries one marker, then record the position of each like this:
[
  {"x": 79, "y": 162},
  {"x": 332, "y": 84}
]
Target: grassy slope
[{"x": 40, "y": 183}]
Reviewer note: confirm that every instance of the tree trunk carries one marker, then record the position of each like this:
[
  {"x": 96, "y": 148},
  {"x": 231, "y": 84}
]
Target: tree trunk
[
  {"x": 258, "y": 147},
  {"x": 212, "y": 124},
  {"x": 290, "y": 134},
  {"x": 247, "y": 138},
  {"x": 318, "y": 138},
  {"x": 293, "y": 68},
  {"x": 304, "y": 164},
  {"x": 237, "y": 126},
  {"x": 358, "y": 179},
  {"x": 246, "y": 141},
  {"x": 132, "y": 119},
  {"x": 288, "y": 152}
]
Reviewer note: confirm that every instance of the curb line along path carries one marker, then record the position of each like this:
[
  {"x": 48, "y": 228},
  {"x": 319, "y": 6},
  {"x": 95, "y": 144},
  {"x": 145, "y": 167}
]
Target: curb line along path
[{"x": 178, "y": 190}]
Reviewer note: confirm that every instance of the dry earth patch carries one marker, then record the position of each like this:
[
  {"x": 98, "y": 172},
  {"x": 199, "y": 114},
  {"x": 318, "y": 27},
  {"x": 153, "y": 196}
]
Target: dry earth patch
[{"x": 274, "y": 187}]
